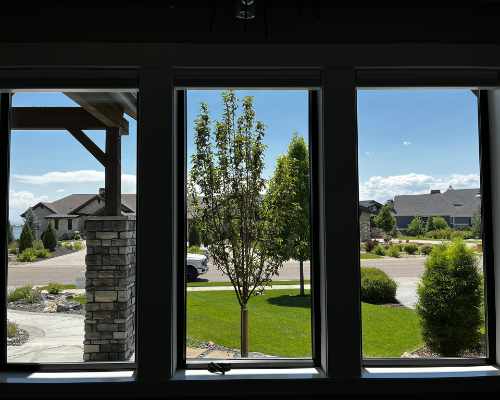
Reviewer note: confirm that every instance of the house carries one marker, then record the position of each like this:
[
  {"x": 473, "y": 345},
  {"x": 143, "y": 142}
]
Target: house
[
  {"x": 372, "y": 206},
  {"x": 456, "y": 206},
  {"x": 364, "y": 222},
  {"x": 68, "y": 214}
]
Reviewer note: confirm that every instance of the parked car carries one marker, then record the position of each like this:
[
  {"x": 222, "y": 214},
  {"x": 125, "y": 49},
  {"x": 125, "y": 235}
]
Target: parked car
[{"x": 196, "y": 264}]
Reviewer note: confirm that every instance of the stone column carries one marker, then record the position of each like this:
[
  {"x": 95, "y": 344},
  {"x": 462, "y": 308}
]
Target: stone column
[{"x": 110, "y": 289}]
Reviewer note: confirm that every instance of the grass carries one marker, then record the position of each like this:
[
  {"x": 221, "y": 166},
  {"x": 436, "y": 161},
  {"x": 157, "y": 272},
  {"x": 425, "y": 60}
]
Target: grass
[
  {"x": 369, "y": 256},
  {"x": 55, "y": 288},
  {"x": 212, "y": 284},
  {"x": 82, "y": 299},
  {"x": 280, "y": 324},
  {"x": 11, "y": 329}
]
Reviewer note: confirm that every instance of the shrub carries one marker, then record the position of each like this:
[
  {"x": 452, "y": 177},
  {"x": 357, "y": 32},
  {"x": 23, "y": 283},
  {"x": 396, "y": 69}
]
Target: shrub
[
  {"x": 416, "y": 227},
  {"x": 393, "y": 251},
  {"x": 26, "y": 238},
  {"x": 27, "y": 255},
  {"x": 42, "y": 253},
  {"x": 385, "y": 220},
  {"x": 369, "y": 245},
  {"x": 195, "y": 250},
  {"x": 411, "y": 248},
  {"x": 439, "y": 234},
  {"x": 439, "y": 223},
  {"x": 49, "y": 237},
  {"x": 377, "y": 287},
  {"x": 449, "y": 304},
  {"x": 77, "y": 235},
  {"x": 426, "y": 249},
  {"x": 26, "y": 293},
  {"x": 378, "y": 250},
  {"x": 194, "y": 235},
  {"x": 78, "y": 246},
  {"x": 38, "y": 245},
  {"x": 11, "y": 329},
  {"x": 54, "y": 288}
]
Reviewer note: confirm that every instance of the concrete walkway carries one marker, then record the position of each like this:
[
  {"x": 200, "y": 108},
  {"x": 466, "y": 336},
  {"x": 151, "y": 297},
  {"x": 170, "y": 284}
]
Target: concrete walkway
[{"x": 53, "y": 337}]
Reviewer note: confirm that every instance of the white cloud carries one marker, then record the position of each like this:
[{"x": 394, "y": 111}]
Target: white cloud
[
  {"x": 383, "y": 188},
  {"x": 406, "y": 143},
  {"x": 75, "y": 177},
  {"x": 60, "y": 190},
  {"x": 20, "y": 201}
]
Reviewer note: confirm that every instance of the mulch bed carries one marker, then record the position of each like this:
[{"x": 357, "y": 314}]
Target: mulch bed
[{"x": 19, "y": 339}]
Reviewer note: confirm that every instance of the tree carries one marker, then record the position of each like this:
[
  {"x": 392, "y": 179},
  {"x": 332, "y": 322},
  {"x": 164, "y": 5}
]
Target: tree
[
  {"x": 476, "y": 224},
  {"x": 439, "y": 223},
  {"x": 26, "y": 238},
  {"x": 226, "y": 187},
  {"x": 416, "y": 227},
  {"x": 10, "y": 233},
  {"x": 385, "y": 220},
  {"x": 49, "y": 238},
  {"x": 450, "y": 296},
  {"x": 194, "y": 234},
  {"x": 430, "y": 225},
  {"x": 287, "y": 199}
]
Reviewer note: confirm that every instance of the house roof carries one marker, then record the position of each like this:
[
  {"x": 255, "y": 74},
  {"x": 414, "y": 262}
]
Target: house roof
[
  {"x": 452, "y": 202},
  {"x": 68, "y": 206}
]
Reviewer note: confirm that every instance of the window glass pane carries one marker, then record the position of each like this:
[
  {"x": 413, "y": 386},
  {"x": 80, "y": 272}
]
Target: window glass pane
[
  {"x": 71, "y": 269},
  {"x": 420, "y": 224},
  {"x": 248, "y": 226}
]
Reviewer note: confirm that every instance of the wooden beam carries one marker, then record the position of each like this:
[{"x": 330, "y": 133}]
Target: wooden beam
[
  {"x": 54, "y": 118},
  {"x": 113, "y": 173},
  {"x": 86, "y": 142},
  {"x": 102, "y": 106}
]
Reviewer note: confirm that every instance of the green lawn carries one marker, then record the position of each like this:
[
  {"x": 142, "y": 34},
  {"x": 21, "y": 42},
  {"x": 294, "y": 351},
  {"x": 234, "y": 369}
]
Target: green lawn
[
  {"x": 280, "y": 324},
  {"x": 369, "y": 256},
  {"x": 204, "y": 284}
]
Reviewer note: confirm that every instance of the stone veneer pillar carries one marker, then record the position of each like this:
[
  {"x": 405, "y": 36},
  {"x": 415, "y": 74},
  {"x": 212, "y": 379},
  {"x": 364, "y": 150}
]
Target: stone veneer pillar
[{"x": 110, "y": 289}]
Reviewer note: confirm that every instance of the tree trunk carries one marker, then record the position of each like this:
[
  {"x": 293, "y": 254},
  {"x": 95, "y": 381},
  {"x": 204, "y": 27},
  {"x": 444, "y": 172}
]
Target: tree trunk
[
  {"x": 244, "y": 331},
  {"x": 301, "y": 263}
]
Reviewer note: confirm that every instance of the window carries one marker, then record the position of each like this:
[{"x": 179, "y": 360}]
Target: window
[
  {"x": 422, "y": 275},
  {"x": 248, "y": 264},
  {"x": 69, "y": 150}
]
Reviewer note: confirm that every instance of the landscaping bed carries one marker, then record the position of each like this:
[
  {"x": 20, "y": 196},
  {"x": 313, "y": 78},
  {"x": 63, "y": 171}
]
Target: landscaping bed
[{"x": 16, "y": 336}]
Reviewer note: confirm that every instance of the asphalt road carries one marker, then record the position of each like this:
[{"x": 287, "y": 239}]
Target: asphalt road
[{"x": 66, "y": 269}]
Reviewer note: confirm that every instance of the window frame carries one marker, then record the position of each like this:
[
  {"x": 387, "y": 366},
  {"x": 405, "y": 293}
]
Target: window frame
[
  {"x": 307, "y": 80},
  {"x": 342, "y": 370},
  {"x": 479, "y": 81},
  {"x": 49, "y": 80}
]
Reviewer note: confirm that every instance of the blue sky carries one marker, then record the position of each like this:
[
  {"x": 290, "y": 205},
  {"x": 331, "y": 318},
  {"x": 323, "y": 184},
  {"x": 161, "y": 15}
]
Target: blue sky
[{"x": 409, "y": 142}]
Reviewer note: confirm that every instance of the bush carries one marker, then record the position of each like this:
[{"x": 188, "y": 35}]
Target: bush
[
  {"x": 450, "y": 296},
  {"x": 416, "y": 227},
  {"x": 42, "y": 253},
  {"x": 411, "y": 248},
  {"x": 26, "y": 238},
  {"x": 78, "y": 246},
  {"x": 378, "y": 250},
  {"x": 38, "y": 245},
  {"x": 439, "y": 223},
  {"x": 194, "y": 235},
  {"x": 377, "y": 287},
  {"x": 11, "y": 329},
  {"x": 27, "y": 255},
  {"x": 426, "y": 249},
  {"x": 49, "y": 237},
  {"x": 393, "y": 251},
  {"x": 26, "y": 293},
  {"x": 54, "y": 288},
  {"x": 369, "y": 245},
  {"x": 441, "y": 234},
  {"x": 195, "y": 250}
]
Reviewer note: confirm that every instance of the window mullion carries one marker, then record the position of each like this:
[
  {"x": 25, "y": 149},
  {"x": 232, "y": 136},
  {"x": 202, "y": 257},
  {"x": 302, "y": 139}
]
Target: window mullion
[{"x": 341, "y": 331}]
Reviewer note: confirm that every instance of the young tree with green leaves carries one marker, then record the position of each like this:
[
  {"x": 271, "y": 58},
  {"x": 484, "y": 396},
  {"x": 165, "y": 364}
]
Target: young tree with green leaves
[
  {"x": 287, "y": 199},
  {"x": 226, "y": 187},
  {"x": 385, "y": 220},
  {"x": 476, "y": 224},
  {"x": 416, "y": 227},
  {"x": 194, "y": 234},
  {"x": 429, "y": 226},
  {"x": 439, "y": 223}
]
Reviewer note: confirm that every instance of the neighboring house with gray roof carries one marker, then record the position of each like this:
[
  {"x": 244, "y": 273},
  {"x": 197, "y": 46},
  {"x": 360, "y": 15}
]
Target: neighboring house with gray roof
[
  {"x": 456, "y": 206},
  {"x": 69, "y": 213}
]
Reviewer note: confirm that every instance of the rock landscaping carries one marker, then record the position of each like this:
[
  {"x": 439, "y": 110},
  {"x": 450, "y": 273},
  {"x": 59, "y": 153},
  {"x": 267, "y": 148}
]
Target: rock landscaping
[
  {"x": 212, "y": 350},
  {"x": 50, "y": 303},
  {"x": 19, "y": 339}
]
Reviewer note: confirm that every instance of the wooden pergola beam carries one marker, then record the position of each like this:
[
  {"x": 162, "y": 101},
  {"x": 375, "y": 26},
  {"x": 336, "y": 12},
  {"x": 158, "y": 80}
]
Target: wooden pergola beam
[
  {"x": 91, "y": 147},
  {"x": 57, "y": 118},
  {"x": 102, "y": 106}
]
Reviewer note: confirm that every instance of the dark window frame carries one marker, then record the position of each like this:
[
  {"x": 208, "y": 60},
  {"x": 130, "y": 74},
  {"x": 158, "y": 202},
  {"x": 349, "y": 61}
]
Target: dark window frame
[
  {"x": 157, "y": 364},
  {"x": 105, "y": 79},
  {"x": 70, "y": 224},
  {"x": 478, "y": 81}
]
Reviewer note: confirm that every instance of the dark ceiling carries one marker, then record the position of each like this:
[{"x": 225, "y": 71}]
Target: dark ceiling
[{"x": 276, "y": 21}]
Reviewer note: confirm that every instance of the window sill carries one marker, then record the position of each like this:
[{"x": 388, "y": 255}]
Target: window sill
[
  {"x": 251, "y": 373},
  {"x": 68, "y": 377},
  {"x": 430, "y": 372}
]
